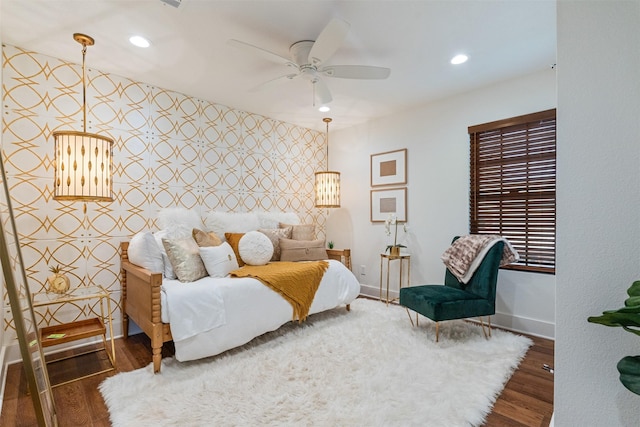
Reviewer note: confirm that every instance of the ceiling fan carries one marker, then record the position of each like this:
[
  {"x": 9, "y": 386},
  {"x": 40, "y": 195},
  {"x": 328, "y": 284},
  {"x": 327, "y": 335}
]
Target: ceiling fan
[{"x": 308, "y": 57}]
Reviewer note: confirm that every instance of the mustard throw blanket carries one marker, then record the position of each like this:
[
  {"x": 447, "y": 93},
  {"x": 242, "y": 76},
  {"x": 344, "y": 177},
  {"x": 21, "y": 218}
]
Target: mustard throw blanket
[{"x": 297, "y": 282}]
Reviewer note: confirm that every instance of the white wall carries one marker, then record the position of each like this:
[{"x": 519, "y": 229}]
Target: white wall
[
  {"x": 438, "y": 191},
  {"x": 598, "y": 207}
]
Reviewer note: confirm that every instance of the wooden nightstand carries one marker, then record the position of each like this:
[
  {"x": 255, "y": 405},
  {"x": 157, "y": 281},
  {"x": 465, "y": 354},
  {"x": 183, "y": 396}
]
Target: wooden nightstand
[
  {"x": 342, "y": 255},
  {"x": 80, "y": 328}
]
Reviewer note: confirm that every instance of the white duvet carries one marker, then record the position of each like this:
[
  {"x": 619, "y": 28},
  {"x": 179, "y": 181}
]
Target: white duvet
[{"x": 213, "y": 315}]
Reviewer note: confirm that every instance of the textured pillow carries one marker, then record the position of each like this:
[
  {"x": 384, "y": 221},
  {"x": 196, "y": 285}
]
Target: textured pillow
[
  {"x": 231, "y": 222},
  {"x": 275, "y": 234},
  {"x": 218, "y": 260},
  {"x": 301, "y": 250},
  {"x": 301, "y": 231},
  {"x": 205, "y": 238},
  {"x": 172, "y": 232},
  {"x": 233, "y": 239},
  {"x": 169, "y": 217},
  {"x": 255, "y": 248},
  {"x": 184, "y": 256},
  {"x": 144, "y": 251}
]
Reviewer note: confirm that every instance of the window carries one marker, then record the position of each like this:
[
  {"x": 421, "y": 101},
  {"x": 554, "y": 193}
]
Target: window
[{"x": 513, "y": 186}]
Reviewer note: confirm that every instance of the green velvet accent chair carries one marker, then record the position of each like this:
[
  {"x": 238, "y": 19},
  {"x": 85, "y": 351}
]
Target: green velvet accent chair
[{"x": 456, "y": 300}]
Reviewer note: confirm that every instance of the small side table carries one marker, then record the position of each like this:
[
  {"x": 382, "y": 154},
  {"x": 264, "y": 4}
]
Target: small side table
[
  {"x": 80, "y": 328},
  {"x": 402, "y": 258}
]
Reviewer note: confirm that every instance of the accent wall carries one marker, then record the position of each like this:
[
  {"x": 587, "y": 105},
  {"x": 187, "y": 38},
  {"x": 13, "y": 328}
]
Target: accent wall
[{"x": 171, "y": 150}]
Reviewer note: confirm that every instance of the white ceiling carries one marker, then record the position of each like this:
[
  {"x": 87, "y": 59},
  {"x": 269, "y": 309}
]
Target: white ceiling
[{"x": 189, "y": 51}]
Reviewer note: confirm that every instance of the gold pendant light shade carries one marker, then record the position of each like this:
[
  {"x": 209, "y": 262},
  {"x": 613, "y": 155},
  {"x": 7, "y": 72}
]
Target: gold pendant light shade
[
  {"x": 327, "y": 189},
  {"x": 83, "y": 167},
  {"x": 83, "y": 161},
  {"x": 327, "y": 184}
]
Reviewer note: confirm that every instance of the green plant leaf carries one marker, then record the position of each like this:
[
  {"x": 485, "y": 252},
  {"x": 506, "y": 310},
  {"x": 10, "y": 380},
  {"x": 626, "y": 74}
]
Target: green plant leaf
[
  {"x": 629, "y": 368},
  {"x": 627, "y": 317},
  {"x": 634, "y": 289}
]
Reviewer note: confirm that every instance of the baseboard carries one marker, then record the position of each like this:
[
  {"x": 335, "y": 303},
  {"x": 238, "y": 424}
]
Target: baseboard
[
  {"x": 374, "y": 291},
  {"x": 535, "y": 327}
]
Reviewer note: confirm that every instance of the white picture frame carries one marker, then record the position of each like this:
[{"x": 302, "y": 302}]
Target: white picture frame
[
  {"x": 389, "y": 168},
  {"x": 385, "y": 202}
]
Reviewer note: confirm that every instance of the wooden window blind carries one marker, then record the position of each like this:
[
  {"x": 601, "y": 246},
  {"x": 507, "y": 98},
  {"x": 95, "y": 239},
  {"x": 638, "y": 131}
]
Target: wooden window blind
[{"x": 513, "y": 186}]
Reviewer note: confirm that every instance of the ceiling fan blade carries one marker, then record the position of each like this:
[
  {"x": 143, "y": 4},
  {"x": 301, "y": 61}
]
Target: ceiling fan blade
[
  {"x": 322, "y": 91},
  {"x": 356, "y": 72},
  {"x": 265, "y": 54},
  {"x": 328, "y": 41},
  {"x": 272, "y": 82}
]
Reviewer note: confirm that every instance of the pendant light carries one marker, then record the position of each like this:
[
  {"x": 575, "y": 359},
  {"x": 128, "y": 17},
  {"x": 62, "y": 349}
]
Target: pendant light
[
  {"x": 327, "y": 185},
  {"x": 83, "y": 161}
]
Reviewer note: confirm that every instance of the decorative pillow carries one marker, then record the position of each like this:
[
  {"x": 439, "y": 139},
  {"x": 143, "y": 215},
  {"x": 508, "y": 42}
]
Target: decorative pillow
[
  {"x": 184, "y": 256},
  {"x": 144, "y": 251},
  {"x": 234, "y": 239},
  {"x": 275, "y": 235},
  {"x": 301, "y": 250},
  {"x": 271, "y": 219},
  {"x": 231, "y": 222},
  {"x": 301, "y": 231},
  {"x": 172, "y": 232},
  {"x": 169, "y": 217},
  {"x": 219, "y": 260},
  {"x": 255, "y": 248},
  {"x": 205, "y": 238}
]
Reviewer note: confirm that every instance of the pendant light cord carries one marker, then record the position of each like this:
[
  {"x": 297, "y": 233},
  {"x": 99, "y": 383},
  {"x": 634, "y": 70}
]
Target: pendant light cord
[
  {"x": 327, "y": 120},
  {"x": 84, "y": 89}
]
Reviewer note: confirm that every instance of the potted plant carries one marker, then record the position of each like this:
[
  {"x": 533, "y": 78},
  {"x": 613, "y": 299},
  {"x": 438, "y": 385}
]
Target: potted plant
[
  {"x": 394, "y": 250},
  {"x": 627, "y": 317},
  {"x": 58, "y": 282}
]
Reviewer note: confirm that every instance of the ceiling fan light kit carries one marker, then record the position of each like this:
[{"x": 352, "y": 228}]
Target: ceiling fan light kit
[{"x": 308, "y": 57}]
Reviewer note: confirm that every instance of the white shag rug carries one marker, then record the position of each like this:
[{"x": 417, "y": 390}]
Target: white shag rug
[{"x": 366, "y": 367}]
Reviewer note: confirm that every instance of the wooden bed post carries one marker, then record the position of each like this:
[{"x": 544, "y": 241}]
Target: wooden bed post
[
  {"x": 157, "y": 338},
  {"x": 124, "y": 256}
]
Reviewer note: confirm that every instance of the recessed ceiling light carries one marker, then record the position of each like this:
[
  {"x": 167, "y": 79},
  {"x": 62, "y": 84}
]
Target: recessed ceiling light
[
  {"x": 139, "y": 41},
  {"x": 324, "y": 109},
  {"x": 459, "y": 59}
]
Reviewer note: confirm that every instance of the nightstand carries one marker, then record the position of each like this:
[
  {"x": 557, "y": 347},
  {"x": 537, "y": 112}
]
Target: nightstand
[
  {"x": 403, "y": 258},
  {"x": 80, "y": 328}
]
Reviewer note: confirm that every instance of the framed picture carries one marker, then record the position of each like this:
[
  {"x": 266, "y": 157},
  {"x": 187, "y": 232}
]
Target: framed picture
[
  {"x": 389, "y": 168},
  {"x": 389, "y": 201}
]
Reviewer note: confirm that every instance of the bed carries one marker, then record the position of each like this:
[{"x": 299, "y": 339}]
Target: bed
[{"x": 250, "y": 308}]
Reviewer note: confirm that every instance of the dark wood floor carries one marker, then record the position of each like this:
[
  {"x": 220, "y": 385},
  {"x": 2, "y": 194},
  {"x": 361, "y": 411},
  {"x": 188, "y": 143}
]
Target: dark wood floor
[{"x": 527, "y": 399}]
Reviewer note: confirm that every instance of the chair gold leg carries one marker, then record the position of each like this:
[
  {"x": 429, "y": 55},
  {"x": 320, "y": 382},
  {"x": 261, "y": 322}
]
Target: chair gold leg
[
  {"x": 410, "y": 319},
  {"x": 489, "y": 321},
  {"x": 489, "y": 327},
  {"x": 437, "y": 331}
]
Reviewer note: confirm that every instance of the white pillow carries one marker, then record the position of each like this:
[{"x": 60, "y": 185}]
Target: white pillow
[
  {"x": 255, "y": 248},
  {"x": 271, "y": 219},
  {"x": 172, "y": 232},
  {"x": 169, "y": 217},
  {"x": 231, "y": 222},
  {"x": 144, "y": 251},
  {"x": 219, "y": 260}
]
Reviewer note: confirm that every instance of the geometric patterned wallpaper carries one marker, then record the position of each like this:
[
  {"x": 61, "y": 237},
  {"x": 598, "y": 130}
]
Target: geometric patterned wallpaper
[{"x": 170, "y": 150}]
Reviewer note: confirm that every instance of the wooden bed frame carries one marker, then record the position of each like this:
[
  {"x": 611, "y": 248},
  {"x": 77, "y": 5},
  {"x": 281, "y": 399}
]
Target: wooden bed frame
[{"x": 141, "y": 300}]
